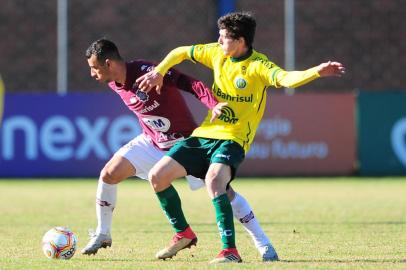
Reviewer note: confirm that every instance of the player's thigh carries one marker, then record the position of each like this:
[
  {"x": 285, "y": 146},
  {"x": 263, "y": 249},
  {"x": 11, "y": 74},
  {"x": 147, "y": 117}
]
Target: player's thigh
[
  {"x": 164, "y": 172},
  {"x": 117, "y": 169},
  {"x": 167, "y": 167}
]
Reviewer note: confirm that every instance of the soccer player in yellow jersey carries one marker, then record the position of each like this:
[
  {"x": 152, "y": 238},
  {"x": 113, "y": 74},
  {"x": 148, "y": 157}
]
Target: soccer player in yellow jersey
[{"x": 216, "y": 148}]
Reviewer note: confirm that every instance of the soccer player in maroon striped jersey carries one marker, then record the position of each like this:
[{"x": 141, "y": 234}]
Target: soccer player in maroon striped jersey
[{"x": 162, "y": 127}]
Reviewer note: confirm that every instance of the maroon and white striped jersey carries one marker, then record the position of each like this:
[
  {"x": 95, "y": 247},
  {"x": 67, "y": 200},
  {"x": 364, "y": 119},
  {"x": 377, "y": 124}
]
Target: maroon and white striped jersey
[{"x": 164, "y": 118}]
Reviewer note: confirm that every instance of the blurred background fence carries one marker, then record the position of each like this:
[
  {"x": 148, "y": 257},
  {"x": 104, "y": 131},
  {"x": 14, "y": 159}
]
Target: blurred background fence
[
  {"x": 341, "y": 133},
  {"x": 369, "y": 37}
]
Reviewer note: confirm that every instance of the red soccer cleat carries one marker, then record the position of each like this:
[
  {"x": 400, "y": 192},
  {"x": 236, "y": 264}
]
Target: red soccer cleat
[
  {"x": 181, "y": 240},
  {"x": 228, "y": 255}
]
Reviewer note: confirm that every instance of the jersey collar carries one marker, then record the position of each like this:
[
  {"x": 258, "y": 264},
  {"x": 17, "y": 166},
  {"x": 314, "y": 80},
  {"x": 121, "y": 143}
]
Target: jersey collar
[{"x": 243, "y": 57}]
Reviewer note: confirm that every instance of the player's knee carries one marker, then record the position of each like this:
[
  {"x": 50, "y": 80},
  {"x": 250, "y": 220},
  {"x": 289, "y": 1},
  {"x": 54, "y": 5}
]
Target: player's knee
[
  {"x": 158, "y": 179},
  {"x": 215, "y": 184},
  {"x": 213, "y": 179},
  {"x": 110, "y": 176},
  {"x": 211, "y": 176},
  {"x": 209, "y": 183},
  {"x": 213, "y": 187},
  {"x": 153, "y": 177}
]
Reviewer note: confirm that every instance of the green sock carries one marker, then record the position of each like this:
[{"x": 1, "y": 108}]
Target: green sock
[
  {"x": 170, "y": 203},
  {"x": 225, "y": 222}
]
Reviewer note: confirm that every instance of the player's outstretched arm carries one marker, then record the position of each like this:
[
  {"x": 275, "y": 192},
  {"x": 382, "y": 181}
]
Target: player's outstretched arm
[
  {"x": 154, "y": 78},
  {"x": 293, "y": 79},
  {"x": 330, "y": 68}
]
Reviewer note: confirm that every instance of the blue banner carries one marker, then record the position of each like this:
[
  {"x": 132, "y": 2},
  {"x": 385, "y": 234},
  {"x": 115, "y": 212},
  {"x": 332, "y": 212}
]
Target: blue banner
[{"x": 46, "y": 135}]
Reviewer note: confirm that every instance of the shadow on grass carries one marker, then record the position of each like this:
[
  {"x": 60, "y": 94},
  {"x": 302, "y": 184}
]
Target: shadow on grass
[
  {"x": 204, "y": 224},
  {"x": 389, "y": 222},
  {"x": 347, "y": 261},
  {"x": 338, "y": 223},
  {"x": 143, "y": 260}
]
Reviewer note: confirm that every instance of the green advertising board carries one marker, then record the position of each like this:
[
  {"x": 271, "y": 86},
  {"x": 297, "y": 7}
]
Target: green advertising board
[{"x": 382, "y": 133}]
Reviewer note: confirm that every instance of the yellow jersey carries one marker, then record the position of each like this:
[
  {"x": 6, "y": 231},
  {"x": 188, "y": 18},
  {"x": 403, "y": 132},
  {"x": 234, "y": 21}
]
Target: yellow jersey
[{"x": 242, "y": 83}]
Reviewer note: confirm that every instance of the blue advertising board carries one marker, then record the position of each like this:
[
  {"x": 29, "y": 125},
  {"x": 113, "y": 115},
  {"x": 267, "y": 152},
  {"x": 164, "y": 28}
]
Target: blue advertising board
[{"x": 46, "y": 135}]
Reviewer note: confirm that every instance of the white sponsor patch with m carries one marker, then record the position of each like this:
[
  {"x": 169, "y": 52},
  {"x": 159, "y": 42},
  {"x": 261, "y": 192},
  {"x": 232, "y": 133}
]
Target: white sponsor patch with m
[{"x": 158, "y": 123}]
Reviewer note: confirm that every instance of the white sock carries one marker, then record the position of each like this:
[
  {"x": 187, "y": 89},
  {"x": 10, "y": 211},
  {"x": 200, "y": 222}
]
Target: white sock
[
  {"x": 106, "y": 197},
  {"x": 243, "y": 213}
]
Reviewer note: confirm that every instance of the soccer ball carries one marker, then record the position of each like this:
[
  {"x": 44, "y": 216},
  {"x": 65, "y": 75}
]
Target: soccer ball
[{"x": 59, "y": 243}]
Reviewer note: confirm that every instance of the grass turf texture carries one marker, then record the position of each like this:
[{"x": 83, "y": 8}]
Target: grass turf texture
[{"x": 327, "y": 223}]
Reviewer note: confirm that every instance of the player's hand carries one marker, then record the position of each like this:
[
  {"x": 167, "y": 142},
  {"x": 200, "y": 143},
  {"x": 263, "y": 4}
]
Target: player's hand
[
  {"x": 150, "y": 80},
  {"x": 216, "y": 112},
  {"x": 331, "y": 69}
]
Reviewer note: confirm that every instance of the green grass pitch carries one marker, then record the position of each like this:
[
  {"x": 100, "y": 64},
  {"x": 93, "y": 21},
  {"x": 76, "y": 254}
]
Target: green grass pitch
[{"x": 326, "y": 223}]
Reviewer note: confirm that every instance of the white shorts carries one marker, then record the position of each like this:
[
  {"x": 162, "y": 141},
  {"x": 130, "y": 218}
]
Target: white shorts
[{"x": 143, "y": 155}]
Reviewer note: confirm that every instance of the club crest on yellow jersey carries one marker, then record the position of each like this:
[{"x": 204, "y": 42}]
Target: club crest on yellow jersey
[{"x": 240, "y": 83}]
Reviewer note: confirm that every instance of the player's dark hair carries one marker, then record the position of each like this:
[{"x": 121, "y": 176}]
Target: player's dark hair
[
  {"x": 239, "y": 24},
  {"x": 103, "y": 49}
]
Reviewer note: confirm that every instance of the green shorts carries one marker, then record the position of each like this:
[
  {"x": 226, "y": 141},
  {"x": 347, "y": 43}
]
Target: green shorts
[{"x": 196, "y": 154}]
